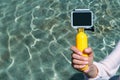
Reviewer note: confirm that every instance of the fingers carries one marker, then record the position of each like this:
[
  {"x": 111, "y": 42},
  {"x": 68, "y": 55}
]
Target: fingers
[
  {"x": 78, "y": 62},
  {"x": 74, "y": 49},
  {"x": 78, "y": 57},
  {"x": 78, "y": 66},
  {"x": 89, "y": 51}
]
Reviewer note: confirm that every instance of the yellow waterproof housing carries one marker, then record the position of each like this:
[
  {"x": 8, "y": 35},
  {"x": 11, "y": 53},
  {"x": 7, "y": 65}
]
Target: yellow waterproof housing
[{"x": 82, "y": 19}]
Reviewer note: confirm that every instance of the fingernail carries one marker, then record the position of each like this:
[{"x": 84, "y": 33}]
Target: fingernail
[
  {"x": 85, "y": 58},
  {"x": 86, "y": 62},
  {"x": 80, "y": 53},
  {"x": 82, "y": 66}
]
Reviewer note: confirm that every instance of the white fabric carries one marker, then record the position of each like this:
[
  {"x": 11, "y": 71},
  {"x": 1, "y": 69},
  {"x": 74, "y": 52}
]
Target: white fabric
[{"x": 109, "y": 66}]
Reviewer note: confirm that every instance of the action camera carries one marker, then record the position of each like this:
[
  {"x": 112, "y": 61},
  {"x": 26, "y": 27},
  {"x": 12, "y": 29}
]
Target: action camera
[{"x": 81, "y": 18}]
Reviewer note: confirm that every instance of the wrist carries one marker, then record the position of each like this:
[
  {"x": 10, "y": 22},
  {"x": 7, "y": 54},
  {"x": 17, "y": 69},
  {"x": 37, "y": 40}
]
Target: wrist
[{"x": 92, "y": 72}]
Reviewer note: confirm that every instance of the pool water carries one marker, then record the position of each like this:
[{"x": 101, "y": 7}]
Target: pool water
[{"x": 36, "y": 36}]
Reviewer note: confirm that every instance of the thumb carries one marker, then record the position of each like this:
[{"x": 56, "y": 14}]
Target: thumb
[{"x": 89, "y": 51}]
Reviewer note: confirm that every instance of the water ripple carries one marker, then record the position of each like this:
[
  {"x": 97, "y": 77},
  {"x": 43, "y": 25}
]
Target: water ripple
[{"x": 36, "y": 36}]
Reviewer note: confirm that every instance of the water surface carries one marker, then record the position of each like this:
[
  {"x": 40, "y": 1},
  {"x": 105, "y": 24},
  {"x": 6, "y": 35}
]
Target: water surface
[{"x": 36, "y": 35}]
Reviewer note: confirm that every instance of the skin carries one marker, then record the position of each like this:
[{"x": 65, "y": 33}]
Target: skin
[{"x": 78, "y": 61}]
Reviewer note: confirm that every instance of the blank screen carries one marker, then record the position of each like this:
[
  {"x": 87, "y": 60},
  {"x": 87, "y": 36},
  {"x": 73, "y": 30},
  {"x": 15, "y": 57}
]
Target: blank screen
[{"x": 82, "y": 19}]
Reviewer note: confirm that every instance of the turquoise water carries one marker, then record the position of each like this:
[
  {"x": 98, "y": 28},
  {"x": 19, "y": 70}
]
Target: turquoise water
[{"x": 36, "y": 35}]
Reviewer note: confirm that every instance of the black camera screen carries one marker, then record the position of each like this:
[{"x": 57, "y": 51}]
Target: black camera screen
[{"x": 82, "y": 19}]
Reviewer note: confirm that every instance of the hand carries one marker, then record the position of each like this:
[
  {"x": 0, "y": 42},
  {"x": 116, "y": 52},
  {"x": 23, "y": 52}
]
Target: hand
[{"x": 79, "y": 61}]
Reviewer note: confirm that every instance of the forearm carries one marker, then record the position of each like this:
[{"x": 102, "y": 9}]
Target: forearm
[
  {"x": 97, "y": 71},
  {"x": 92, "y": 72},
  {"x": 104, "y": 69}
]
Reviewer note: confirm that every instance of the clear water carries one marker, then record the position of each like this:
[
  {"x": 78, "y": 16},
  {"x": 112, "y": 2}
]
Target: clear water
[{"x": 36, "y": 35}]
